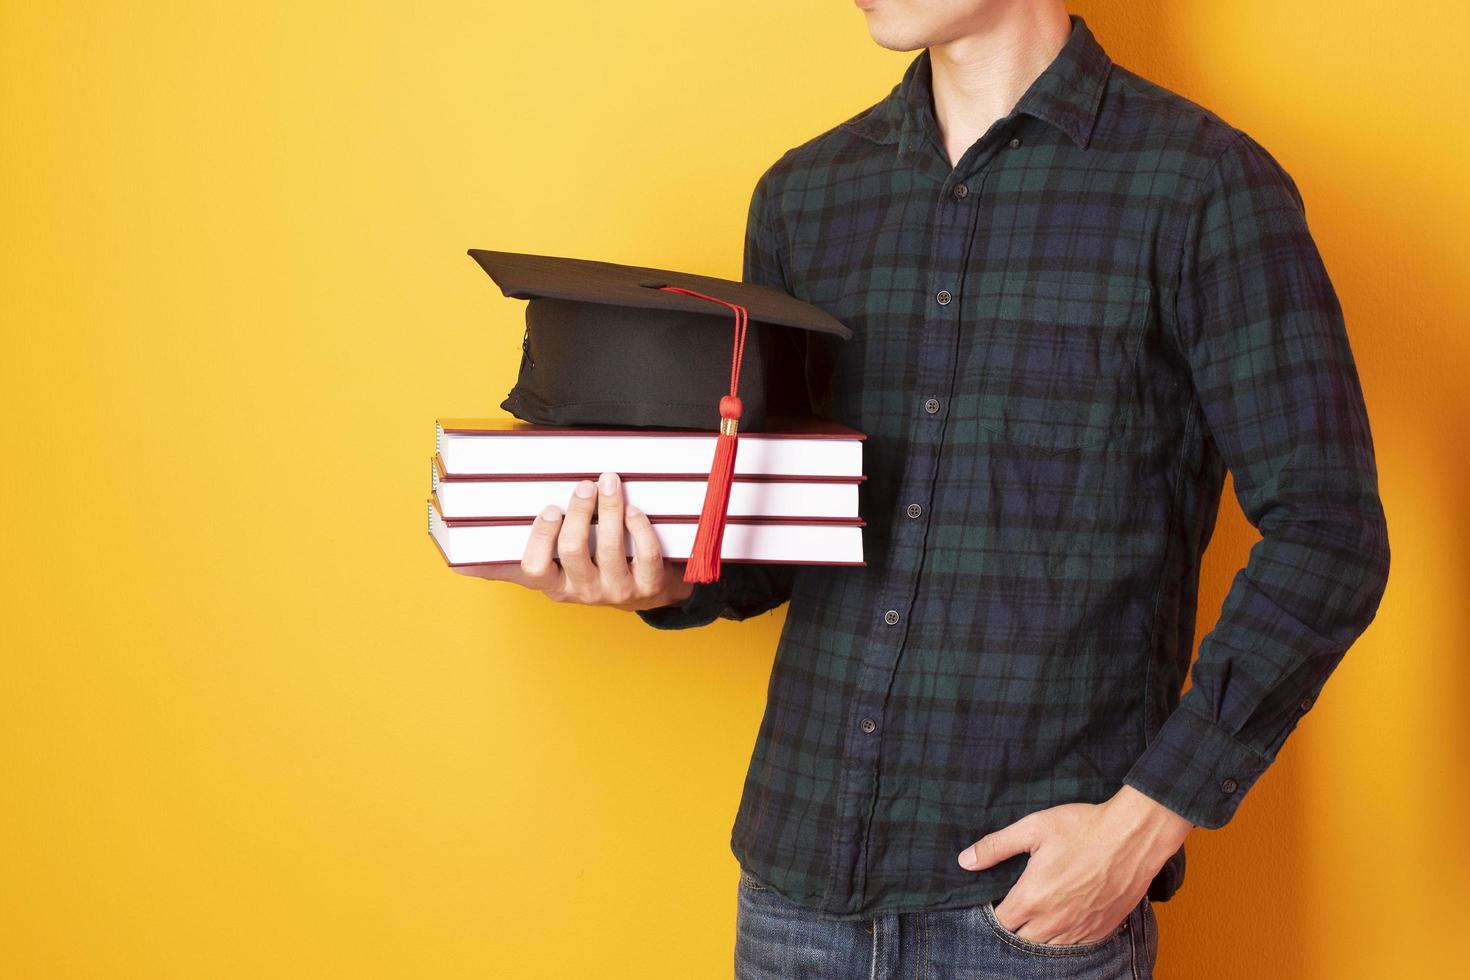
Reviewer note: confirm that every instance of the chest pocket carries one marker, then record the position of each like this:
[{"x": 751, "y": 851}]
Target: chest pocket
[{"x": 1049, "y": 362}]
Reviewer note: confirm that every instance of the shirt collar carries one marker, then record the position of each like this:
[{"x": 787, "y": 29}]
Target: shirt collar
[{"x": 1066, "y": 95}]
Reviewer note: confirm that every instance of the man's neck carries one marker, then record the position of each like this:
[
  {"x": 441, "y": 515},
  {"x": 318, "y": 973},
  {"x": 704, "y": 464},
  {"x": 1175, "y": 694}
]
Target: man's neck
[{"x": 978, "y": 78}]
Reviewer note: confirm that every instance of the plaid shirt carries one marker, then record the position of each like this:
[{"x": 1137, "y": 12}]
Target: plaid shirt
[{"x": 1060, "y": 345}]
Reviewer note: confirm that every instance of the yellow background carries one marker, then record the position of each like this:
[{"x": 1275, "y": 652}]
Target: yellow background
[{"x": 252, "y": 727}]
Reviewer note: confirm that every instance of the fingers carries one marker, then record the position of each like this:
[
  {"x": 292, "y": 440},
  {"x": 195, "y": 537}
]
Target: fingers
[
  {"x": 538, "y": 569},
  {"x": 649, "y": 567},
  {"x": 612, "y": 556},
  {"x": 1014, "y": 838},
  {"x": 572, "y": 541},
  {"x": 610, "y": 580},
  {"x": 1014, "y": 908}
]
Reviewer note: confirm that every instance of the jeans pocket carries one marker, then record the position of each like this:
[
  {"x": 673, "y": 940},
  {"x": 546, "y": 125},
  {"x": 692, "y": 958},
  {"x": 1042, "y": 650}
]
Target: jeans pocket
[
  {"x": 987, "y": 911},
  {"x": 751, "y": 882}
]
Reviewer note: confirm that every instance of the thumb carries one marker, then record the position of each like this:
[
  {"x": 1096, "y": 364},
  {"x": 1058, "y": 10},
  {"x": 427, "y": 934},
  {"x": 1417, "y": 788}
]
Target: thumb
[{"x": 1012, "y": 839}]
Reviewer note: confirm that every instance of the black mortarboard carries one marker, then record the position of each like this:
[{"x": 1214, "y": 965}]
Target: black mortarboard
[
  {"x": 627, "y": 345},
  {"x": 603, "y": 345}
]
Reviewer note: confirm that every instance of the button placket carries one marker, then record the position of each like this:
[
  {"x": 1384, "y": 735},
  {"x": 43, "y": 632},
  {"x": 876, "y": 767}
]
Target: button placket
[{"x": 944, "y": 254}]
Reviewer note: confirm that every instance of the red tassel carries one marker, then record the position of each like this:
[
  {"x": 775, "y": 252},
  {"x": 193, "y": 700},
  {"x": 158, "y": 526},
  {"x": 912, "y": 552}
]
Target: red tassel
[{"x": 704, "y": 556}]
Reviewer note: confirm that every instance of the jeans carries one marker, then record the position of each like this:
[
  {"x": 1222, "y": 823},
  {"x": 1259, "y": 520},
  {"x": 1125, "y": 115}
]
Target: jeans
[{"x": 776, "y": 939}]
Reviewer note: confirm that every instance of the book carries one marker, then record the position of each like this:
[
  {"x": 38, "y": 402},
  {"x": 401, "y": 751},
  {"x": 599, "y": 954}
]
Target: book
[
  {"x": 658, "y": 495},
  {"x": 798, "y": 446},
  {"x": 492, "y": 541}
]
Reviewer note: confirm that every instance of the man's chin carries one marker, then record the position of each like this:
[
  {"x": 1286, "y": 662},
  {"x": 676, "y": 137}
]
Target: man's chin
[{"x": 885, "y": 37}]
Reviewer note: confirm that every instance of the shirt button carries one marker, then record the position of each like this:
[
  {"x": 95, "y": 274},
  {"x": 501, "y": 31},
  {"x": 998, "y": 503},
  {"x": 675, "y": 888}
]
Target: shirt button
[
  {"x": 915, "y": 510},
  {"x": 961, "y": 192},
  {"x": 931, "y": 406},
  {"x": 890, "y": 617},
  {"x": 868, "y": 725},
  {"x": 1306, "y": 703},
  {"x": 1015, "y": 142},
  {"x": 1228, "y": 785},
  {"x": 944, "y": 297}
]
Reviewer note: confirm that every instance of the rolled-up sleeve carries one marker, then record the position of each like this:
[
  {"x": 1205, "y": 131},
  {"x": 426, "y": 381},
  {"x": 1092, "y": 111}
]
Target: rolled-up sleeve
[
  {"x": 1261, "y": 327},
  {"x": 746, "y": 589}
]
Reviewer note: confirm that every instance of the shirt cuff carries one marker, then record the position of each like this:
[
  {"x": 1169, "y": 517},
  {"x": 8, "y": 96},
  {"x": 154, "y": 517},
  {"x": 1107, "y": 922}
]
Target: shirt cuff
[
  {"x": 702, "y": 607},
  {"x": 1196, "y": 768}
]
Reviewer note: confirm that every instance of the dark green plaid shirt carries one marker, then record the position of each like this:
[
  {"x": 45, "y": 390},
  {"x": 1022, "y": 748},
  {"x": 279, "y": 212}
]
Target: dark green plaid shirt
[{"x": 1059, "y": 347}]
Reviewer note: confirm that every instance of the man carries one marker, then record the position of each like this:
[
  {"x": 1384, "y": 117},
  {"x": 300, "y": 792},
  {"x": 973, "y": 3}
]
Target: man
[{"x": 1077, "y": 299}]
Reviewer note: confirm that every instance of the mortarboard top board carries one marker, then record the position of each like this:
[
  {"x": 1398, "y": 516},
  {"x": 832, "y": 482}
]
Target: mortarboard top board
[
  {"x": 623, "y": 345},
  {"x": 603, "y": 345}
]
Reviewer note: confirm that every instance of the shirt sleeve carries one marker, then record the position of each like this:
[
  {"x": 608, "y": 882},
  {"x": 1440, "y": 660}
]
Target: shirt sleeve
[
  {"x": 1261, "y": 327},
  {"x": 746, "y": 589}
]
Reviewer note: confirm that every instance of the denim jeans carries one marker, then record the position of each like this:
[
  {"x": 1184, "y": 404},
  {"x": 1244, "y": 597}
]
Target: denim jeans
[{"x": 776, "y": 939}]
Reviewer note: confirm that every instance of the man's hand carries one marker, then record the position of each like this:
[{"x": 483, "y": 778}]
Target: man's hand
[
  {"x": 646, "y": 581},
  {"x": 1090, "y": 864}
]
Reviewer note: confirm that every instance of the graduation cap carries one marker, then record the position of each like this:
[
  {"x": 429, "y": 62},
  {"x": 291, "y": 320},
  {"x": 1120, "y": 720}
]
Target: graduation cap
[{"x": 624, "y": 345}]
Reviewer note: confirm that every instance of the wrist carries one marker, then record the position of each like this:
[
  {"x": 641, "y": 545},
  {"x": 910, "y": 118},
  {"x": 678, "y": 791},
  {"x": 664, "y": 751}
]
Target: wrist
[{"x": 1147, "y": 820}]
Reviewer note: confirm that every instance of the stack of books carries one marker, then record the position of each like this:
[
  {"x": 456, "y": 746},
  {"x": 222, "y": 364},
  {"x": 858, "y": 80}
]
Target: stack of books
[{"x": 793, "y": 498}]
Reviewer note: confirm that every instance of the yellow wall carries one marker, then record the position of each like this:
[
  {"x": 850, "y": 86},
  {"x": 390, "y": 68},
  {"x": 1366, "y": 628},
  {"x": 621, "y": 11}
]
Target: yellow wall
[{"x": 252, "y": 727}]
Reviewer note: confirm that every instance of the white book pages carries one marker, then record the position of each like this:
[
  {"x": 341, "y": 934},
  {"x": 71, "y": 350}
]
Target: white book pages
[
  {"x": 470, "y": 544},
  {"x": 756, "y": 453},
  {"x": 656, "y": 498}
]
